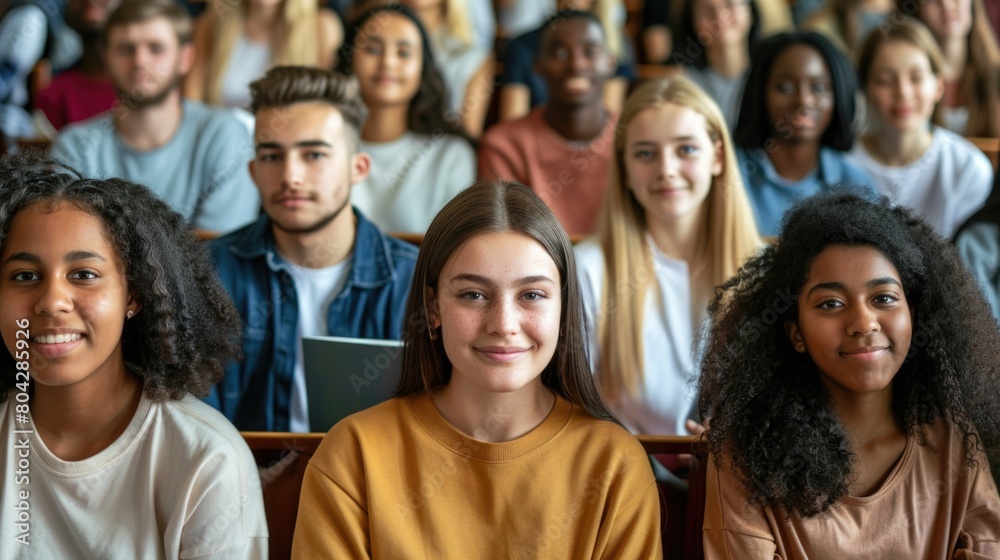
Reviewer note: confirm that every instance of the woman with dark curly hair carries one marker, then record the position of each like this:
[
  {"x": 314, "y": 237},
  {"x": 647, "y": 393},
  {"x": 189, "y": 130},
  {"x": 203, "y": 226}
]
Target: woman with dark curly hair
[
  {"x": 421, "y": 157},
  {"x": 851, "y": 377},
  {"x": 114, "y": 322}
]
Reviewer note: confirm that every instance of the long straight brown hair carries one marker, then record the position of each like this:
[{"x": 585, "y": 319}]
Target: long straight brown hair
[{"x": 496, "y": 206}]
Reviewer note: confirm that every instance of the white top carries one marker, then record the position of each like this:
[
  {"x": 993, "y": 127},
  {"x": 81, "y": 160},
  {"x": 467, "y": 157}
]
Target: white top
[
  {"x": 24, "y": 32},
  {"x": 726, "y": 92},
  {"x": 949, "y": 182},
  {"x": 412, "y": 178},
  {"x": 248, "y": 62},
  {"x": 458, "y": 63},
  {"x": 669, "y": 354},
  {"x": 956, "y": 119},
  {"x": 180, "y": 482},
  {"x": 315, "y": 289},
  {"x": 521, "y": 16}
]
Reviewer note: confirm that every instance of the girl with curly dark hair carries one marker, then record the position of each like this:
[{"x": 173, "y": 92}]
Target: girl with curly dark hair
[
  {"x": 421, "y": 155},
  {"x": 851, "y": 378},
  {"x": 114, "y": 322}
]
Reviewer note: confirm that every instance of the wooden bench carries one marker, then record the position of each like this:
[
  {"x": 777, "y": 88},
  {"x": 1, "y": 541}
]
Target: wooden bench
[
  {"x": 282, "y": 459},
  {"x": 989, "y": 146}
]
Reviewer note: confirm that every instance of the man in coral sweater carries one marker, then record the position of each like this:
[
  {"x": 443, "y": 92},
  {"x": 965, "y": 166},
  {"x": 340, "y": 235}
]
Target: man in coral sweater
[{"x": 562, "y": 150}]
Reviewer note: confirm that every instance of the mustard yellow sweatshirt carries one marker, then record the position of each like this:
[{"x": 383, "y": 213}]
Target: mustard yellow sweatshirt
[{"x": 398, "y": 481}]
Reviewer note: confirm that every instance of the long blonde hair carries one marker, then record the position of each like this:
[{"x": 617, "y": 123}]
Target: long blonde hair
[
  {"x": 605, "y": 10},
  {"x": 458, "y": 21},
  {"x": 731, "y": 235},
  {"x": 295, "y": 43}
]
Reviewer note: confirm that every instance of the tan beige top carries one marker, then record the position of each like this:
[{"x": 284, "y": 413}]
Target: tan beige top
[{"x": 932, "y": 506}]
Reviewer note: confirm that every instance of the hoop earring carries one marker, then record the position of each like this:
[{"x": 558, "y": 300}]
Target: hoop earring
[{"x": 431, "y": 332}]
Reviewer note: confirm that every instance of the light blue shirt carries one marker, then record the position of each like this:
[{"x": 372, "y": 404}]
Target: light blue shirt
[
  {"x": 201, "y": 172},
  {"x": 770, "y": 194},
  {"x": 979, "y": 245}
]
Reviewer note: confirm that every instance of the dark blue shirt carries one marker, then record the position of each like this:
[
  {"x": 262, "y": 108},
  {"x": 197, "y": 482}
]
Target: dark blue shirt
[{"x": 256, "y": 393}]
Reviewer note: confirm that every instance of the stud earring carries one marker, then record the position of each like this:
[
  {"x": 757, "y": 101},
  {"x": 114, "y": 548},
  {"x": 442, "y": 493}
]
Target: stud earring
[{"x": 130, "y": 313}]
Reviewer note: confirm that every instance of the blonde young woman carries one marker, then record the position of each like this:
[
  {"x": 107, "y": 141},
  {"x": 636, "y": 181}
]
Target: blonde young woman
[
  {"x": 971, "y": 103},
  {"x": 676, "y": 224},
  {"x": 522, "y": 89},
  {"x": 235, "y": 43}
]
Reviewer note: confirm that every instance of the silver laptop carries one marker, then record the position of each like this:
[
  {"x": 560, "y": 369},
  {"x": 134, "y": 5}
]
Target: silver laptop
[{"x": 348, "y": 375}]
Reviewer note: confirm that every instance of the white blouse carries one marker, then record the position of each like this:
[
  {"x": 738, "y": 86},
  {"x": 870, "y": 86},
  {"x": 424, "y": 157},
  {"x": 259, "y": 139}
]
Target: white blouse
[{"x": 670, "y": 356}]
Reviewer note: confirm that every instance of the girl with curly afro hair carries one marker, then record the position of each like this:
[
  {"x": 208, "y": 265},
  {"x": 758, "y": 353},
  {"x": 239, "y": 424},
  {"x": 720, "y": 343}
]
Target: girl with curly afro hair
[
  {"x": 851, "y": 378},
  {"x": 114, "y": 323}
]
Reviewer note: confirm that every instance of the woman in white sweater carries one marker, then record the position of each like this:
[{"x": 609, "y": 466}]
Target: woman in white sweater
[
  {"x": 114, "y": 322},
  {"x": 941, "y": 175}
]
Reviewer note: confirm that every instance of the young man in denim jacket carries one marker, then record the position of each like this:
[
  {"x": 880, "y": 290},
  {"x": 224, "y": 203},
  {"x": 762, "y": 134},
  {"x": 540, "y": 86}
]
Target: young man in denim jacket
[{"x": 312, "y": 264}]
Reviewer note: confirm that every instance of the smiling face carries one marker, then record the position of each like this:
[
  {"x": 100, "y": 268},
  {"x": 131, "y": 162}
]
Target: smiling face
[
  {"x": 498, "y": 305},
  {"x": 61, "y": 273},
  {"x": 800, "y": 95},
  {"x": 574, "y": 62},
  {"x": 388, "y": 61},
  {"x": 902, "y": 88},
  {"x": 670, "y": 160},
  {"x": 947, "y": 19},
  {"x": 722, "y": 22},
  {"x": 304, "y": 166},
  {"x": 854, "y": 320},
  {"x": 146, "y": 61}
]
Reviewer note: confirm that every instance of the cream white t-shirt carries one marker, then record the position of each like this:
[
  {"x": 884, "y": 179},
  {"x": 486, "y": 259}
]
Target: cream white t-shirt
[
  {"x": 248, "y": 61},
  {"x": 412, "y": 178},
  {"x": 949, "y": 182},
  {"x": 315, "y": 289},
  {"x": 667, "y": 395},
  {"x": 180, "y": 482}
]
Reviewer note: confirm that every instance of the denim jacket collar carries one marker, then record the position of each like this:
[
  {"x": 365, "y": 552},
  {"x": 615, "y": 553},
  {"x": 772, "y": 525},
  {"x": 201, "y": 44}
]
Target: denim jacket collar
[{"x": 372, "y": 266}]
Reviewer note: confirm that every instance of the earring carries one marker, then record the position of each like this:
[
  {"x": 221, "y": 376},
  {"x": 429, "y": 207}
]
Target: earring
[
  {"x": 431, "y": 332},
  {"x": 130, "y": 313}
]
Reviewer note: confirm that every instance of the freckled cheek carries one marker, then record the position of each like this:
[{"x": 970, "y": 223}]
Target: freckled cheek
[
  {"x": 543, "y": 327},
  {"x": 465, "y": 324}
]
